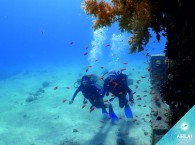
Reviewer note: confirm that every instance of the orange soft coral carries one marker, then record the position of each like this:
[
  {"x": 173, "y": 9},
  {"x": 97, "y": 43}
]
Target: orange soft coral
[{"x": 133, "y": 16}]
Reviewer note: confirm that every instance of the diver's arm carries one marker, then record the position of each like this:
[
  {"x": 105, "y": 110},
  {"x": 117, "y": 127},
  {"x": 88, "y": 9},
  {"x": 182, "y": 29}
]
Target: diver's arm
[
  {"x": 75, "y": 93},
  {"x": 84, "y": 101},
  {"x": 105, "y": 88},
  {"x": 130, "y": 93}
]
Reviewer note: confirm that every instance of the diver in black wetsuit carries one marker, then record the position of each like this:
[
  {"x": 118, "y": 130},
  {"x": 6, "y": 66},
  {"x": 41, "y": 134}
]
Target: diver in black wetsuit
[
  {"x": 94, "y": 93},
  {"x": 116, "y": 83}
]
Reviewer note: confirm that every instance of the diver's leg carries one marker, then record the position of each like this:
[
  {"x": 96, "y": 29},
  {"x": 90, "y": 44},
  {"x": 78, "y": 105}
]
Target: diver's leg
[
  {"x": 121, "y": 102},
  {"x": 111, "y": 112},
  {"x": 104, "y": 111},
  {"x": 101, "y": 104}
]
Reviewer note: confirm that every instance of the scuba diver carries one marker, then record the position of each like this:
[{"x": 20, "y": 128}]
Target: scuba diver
[
  {"x": 94, "y": 93},
  {"x": 116, "y": 83}
]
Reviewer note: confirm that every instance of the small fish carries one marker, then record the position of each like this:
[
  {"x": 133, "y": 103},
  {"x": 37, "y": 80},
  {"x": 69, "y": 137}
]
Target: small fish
[
  {"x": 102, "y": 121},
  {"x": 111, "y": 99},
  {"x": 122, "y": 69},
  {"x": 83, "y": 106},
  {"x": 96, "y": 60},
  {"x": 85, "y": 53},
  {"x": 63, "y": 101},
  {"x": 92, "y": 108},
  {"x": 86, "y": 47},
  {"x": 143, "y": 77},
  {"x": 125, "y": 62},
  {"x": 147, "y": 54},
  {"x": 106, "y": 101},
  {"x": 107, "y": 45},
  {"x": 102, "y": 77},
  {"x": 67, "y": 87},
  {"x": 101, "y": 67},
  {"x": 71, "y": 43},
  {"x": 138, "y": 81},
  {"x": 55, "y": 88},
  {"x": 134, "y": 120},
  {"x": 139, "y": 98},
  {"x": 87, "y": 68}
]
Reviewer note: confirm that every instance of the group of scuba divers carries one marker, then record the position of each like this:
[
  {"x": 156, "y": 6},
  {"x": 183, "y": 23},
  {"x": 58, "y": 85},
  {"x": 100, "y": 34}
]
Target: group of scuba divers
[{"x": 116, "y": 84}]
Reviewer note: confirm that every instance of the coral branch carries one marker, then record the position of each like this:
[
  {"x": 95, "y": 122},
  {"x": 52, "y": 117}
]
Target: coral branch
[{"x": 133, "y": 16}]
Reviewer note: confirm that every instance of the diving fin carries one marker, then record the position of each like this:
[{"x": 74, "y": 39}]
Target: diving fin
[
  {"x": 128, "y": 112},
  {"x": 113, "y": 116}
]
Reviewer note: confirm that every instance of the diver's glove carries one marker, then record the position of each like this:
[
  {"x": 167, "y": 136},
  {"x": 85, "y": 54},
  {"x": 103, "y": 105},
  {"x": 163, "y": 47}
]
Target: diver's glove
[
  {"x": 131, "y": 100},
  {"x": 84, "y": 101}
]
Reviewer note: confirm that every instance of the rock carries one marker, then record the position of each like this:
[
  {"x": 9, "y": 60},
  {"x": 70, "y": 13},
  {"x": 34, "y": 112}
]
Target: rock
[
  {"x": 120, "y": 141},
  {"x": 45, "y": 84},
  {"x": 145, "y": 133},
  {"x": 39, "y": 91},
  {"x": 25, "y": 116},
  {"x": 75, "y": 130},
  {"x": 31, "y": 98}
]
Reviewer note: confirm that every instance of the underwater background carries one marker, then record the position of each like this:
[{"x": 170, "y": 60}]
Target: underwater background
[{"x": 47, "y": 43}]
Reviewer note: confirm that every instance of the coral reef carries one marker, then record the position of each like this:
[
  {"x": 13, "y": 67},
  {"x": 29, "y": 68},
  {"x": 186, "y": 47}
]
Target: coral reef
[{"x": 178, "y": 91}]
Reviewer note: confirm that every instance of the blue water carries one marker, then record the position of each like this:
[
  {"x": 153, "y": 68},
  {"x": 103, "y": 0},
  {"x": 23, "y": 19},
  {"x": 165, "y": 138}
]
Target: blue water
[
  {"x": 52, "y": 36},
  {"x": 39, "y": 32}
]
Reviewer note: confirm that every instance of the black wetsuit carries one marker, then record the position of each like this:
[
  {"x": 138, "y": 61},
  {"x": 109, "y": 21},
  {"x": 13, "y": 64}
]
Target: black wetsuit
[
  {"x": 118, "y": 86},
  {"x": 92, "y": 92}
]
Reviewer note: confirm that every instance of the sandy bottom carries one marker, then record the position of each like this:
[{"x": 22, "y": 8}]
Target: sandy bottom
[{"x": 46, "y": 120}]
